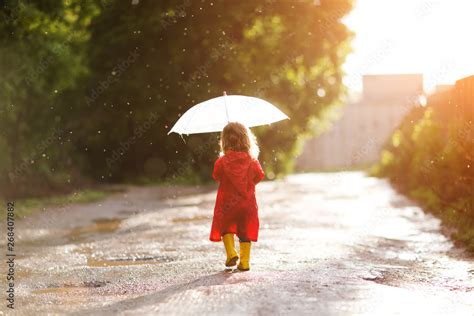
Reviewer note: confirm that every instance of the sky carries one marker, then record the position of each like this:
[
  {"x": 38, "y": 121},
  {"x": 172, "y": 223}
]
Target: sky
[{"x": 432, "y": 37}]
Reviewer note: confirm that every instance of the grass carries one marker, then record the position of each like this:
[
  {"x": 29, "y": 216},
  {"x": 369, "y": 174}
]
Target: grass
[
  {"x": 26, "y": 207},
  {"x": 459, "y": 223},
  {"x": 462, "y": 227}
]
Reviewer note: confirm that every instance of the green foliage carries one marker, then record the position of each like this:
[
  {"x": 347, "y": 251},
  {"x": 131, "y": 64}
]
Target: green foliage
[
  {"x": 40, "y": 57},
  {"x": 108, "y": 79},
  {"x": 188, "y": 52},
  {"x": 430, "y": 158}
]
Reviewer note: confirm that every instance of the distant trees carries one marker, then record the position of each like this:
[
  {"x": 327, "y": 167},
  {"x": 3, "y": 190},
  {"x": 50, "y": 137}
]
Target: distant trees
[{"x": 127, "y": 69}]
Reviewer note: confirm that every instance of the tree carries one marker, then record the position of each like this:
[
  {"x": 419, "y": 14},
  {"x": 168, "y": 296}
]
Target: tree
[
  {"x": 40, "y": 57},
  {"x": 91, "y": 88},
  {"x": 186, "y": 52}
]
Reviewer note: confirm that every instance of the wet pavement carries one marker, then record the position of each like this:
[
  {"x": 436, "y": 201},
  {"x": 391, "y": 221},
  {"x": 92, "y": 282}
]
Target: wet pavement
[{"x": 329, "y": 244}]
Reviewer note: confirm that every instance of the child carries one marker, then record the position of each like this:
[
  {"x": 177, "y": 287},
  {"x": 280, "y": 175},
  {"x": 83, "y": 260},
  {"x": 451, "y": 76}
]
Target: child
[{"x": 236, "y": 212}]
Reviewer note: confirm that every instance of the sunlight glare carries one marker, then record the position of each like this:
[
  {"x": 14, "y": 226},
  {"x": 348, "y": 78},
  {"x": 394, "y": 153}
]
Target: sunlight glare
[{"x": 411, "y": 36}]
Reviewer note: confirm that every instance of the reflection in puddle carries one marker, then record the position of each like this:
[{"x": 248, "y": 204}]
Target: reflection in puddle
[
  {"x": 101, "y": 225},
  {"x": 92, "y": 262},
  {"x": 169, "y": 249},
  {"x": 70, "y": 288},
  {"x": 128, "y": 212},
  {"x": 83, "y": 250},
  {"x": 59, "y": 290},
  {"x": 23, "y": 273},
  {"x": 190, "y": 219}
]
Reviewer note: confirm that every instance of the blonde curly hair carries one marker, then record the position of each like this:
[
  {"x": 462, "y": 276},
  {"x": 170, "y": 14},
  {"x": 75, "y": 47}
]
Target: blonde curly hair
[{"x": 237, "y": 137}]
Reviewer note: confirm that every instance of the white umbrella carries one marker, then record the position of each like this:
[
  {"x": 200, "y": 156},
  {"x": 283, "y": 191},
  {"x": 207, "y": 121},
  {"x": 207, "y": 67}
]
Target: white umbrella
[{"x": 214, "y": 114}]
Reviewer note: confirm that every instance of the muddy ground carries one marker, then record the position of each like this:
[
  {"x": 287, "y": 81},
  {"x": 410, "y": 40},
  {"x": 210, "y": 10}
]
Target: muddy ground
[{"x": 330, "y": 244}]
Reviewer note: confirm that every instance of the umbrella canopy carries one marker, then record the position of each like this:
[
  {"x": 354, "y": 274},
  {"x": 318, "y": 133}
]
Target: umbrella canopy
[{"x": 214, "y": 114}]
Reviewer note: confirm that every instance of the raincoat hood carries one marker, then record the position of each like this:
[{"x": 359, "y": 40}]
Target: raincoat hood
[{"x": 236, "y": 166}]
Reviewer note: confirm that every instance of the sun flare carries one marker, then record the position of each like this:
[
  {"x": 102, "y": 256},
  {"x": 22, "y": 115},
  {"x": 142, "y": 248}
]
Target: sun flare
[{"x": 411, "y": 36}]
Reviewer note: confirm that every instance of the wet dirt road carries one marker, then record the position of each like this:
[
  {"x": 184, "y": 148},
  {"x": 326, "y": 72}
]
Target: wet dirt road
[{"x": 330, "y": 244}]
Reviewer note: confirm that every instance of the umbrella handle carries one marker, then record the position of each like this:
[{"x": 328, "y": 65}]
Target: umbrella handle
[{"x": 225, "y": 104}]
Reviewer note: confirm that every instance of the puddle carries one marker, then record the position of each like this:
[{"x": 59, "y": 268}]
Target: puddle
[
  {"x": 190, "y": 219},
  {"x": 83, "y": 250},
  {"x": 23, "y": 273},
  {"x": 127, "y": 261},
  {"x": 95, "y": 283},
  {"x": 59, "y": 290},
  {"x": 128, "y": 212},
  {"x": 66, "y": 289},
  {"x": 92, "y": 262},
  {"x": 169, "y": 249},
  {"x": 101, "y": 226}
]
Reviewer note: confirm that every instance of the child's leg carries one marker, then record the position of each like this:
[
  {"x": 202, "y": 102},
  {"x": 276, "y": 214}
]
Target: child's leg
[
  {"x": 229, "y": 245},
  {"x": 244, "y": 264}
]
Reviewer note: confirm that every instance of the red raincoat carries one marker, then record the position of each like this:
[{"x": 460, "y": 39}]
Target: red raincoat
[{"x": 236, "y": 209}]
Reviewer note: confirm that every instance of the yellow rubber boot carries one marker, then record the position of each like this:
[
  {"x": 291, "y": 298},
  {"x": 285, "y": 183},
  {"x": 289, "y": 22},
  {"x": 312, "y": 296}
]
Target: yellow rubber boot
[
  {"x": 244, "y": 264},
  {"x": 230, "y": 250}
]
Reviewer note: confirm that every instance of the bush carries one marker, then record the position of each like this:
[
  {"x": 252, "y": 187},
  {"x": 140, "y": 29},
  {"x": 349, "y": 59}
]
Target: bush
[{"x": 430, "y": 158}]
